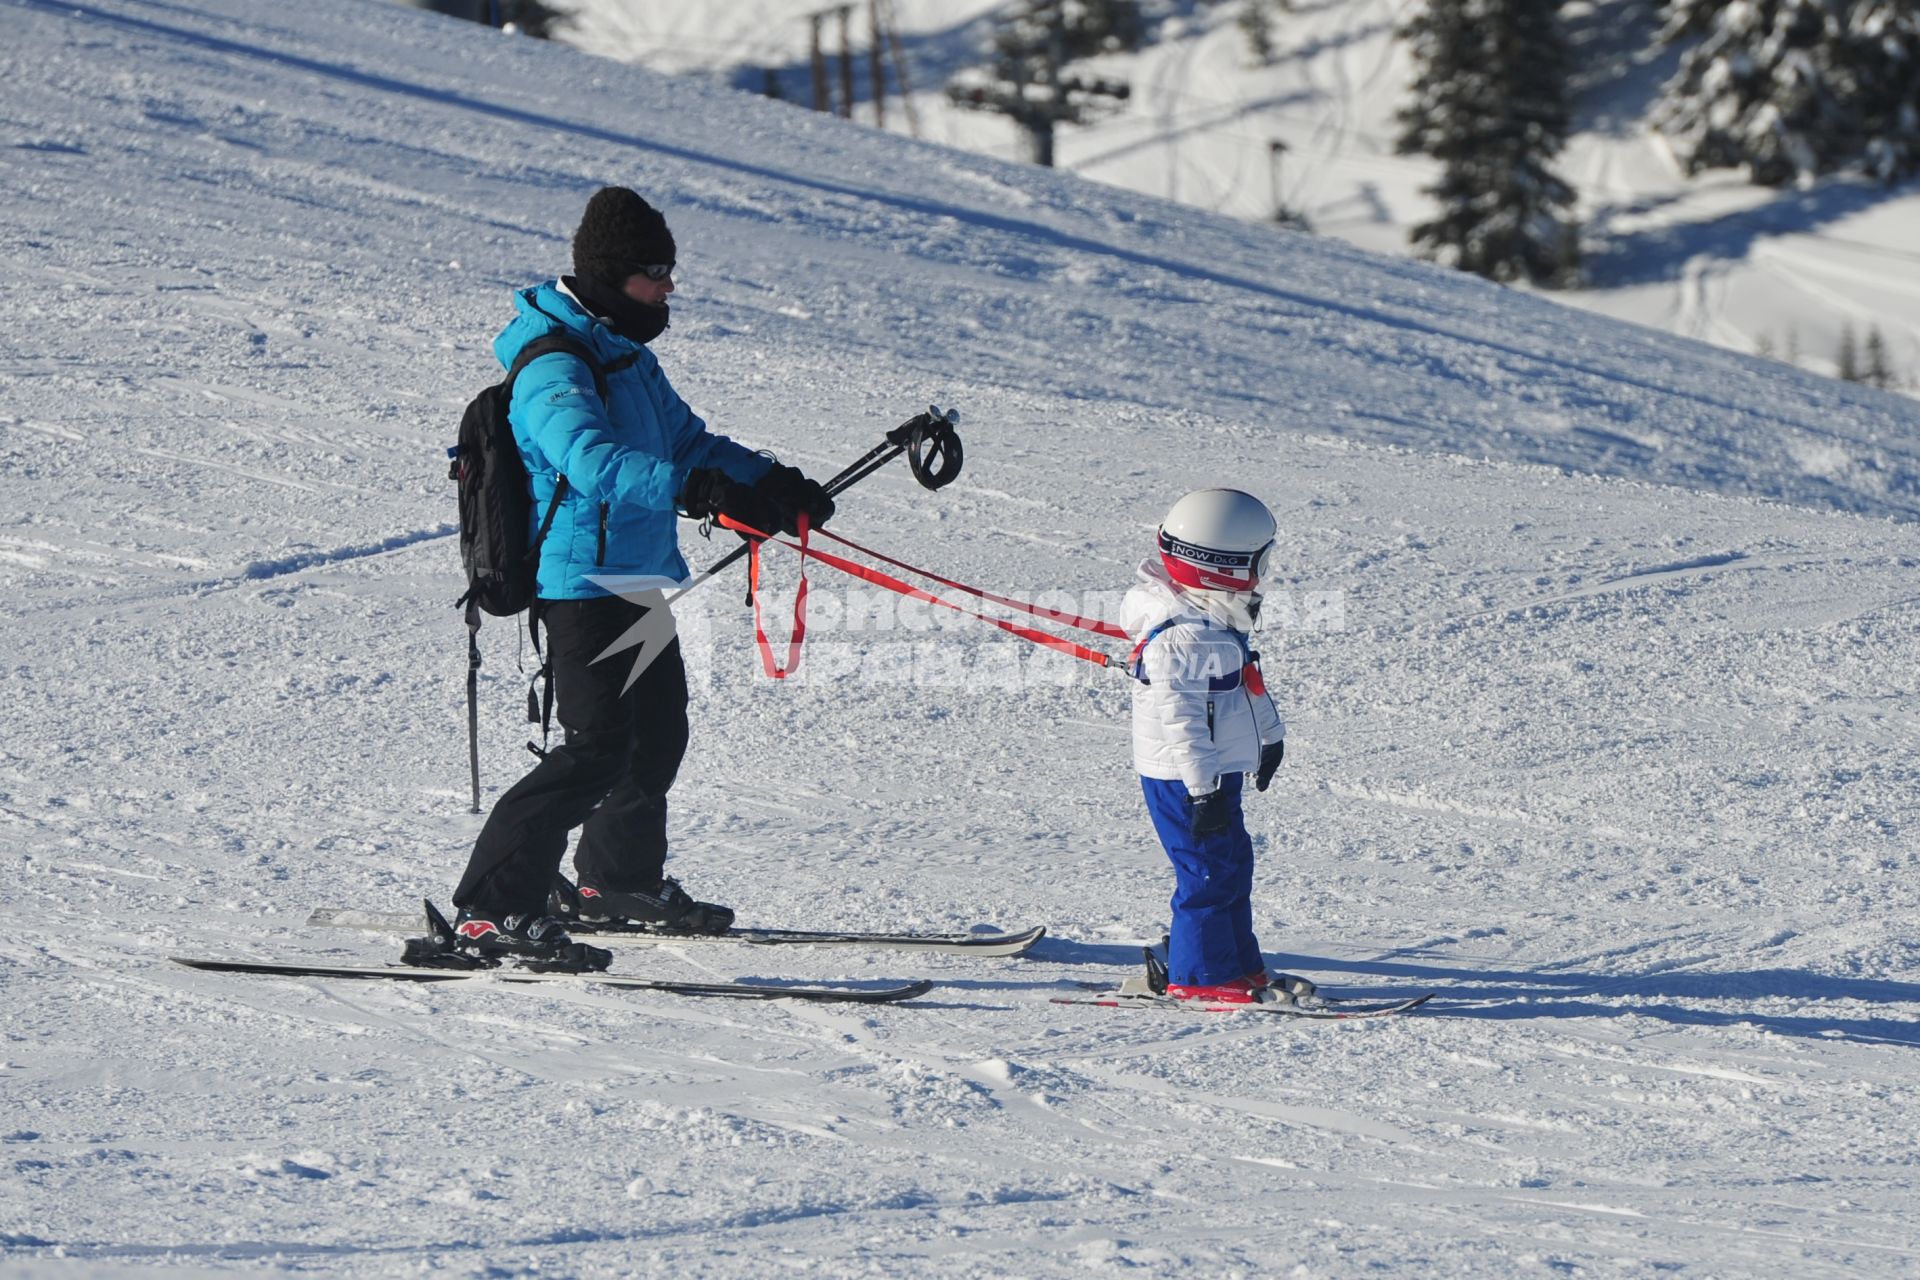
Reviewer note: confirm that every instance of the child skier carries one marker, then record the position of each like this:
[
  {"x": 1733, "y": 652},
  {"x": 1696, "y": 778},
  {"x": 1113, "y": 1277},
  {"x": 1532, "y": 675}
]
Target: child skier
[{"x": 1202, "y": 720}]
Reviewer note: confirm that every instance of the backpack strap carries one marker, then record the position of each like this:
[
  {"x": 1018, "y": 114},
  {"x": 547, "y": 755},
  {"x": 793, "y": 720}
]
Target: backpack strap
[
  {"x": 1137, "y": 660},
  {"x": 548, "y": 344},
  {"x": 540, "y": 703},
  {"x": 561, "y": 340},
  {"x": 562, "y": 344}
]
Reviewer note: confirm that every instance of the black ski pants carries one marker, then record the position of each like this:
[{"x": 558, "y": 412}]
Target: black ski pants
[{"x": 609, "y": 777}]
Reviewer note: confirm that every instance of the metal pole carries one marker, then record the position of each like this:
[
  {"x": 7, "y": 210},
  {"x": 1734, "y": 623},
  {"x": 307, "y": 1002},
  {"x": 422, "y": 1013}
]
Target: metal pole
[
  {"x": 819, "y": 64},
  {"x": 900, "y": 70},
  {"x": 877, "y": 65},
  {"x": 1056, "y": 104},
  {"x": 846, "y": 61}
]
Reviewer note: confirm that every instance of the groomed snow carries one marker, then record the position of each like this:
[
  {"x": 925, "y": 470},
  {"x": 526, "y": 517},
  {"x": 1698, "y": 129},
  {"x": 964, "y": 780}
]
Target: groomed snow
[{"x": 1599, "y": 683}]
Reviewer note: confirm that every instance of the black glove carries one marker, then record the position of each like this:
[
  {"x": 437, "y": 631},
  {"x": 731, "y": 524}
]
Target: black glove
[
  {"x": 1270, "y": 757},
  {"x": 793, "y": 493},
  {"x": 710, "y": 492},
  {"x": 1207, "y": 814}
]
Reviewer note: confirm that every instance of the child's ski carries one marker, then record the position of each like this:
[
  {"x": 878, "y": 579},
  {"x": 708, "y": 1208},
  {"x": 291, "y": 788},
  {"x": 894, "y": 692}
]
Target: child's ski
[{"x": 1324, "y": 1007}]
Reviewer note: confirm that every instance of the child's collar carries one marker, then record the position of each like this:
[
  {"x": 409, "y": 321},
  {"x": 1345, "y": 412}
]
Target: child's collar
[{"x": 1234, "y": 610}]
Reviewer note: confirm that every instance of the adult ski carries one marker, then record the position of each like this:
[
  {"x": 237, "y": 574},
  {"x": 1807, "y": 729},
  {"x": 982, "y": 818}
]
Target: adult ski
[
  {"x": 623, "y": 934},
  {"x": 411, "y": 973},
  {"x": 1316, "y": 1006}
]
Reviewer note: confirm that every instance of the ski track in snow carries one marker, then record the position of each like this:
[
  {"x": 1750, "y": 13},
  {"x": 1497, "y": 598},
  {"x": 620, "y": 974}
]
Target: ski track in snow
[{"x": 1608, "y": 741}]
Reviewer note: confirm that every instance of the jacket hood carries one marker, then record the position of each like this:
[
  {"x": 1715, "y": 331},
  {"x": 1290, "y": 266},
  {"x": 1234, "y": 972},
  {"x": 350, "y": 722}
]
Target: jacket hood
[{"x": 551, "y": 308}]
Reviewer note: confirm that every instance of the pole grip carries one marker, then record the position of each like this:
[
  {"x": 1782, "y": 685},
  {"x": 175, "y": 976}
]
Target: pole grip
[{"x": 933, "y": 449}]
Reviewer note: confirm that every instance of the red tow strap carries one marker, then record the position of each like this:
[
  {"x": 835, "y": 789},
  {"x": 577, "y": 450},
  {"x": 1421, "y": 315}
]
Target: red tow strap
[
  {"x": 1052, "y": 615},
  {"x": 799, "y": 632},
  {"x": 1033, "y": 635}
]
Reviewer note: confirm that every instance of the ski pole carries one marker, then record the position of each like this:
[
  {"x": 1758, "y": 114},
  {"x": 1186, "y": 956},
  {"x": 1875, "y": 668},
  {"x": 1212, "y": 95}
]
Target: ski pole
[{"x": 932, "y": 446}]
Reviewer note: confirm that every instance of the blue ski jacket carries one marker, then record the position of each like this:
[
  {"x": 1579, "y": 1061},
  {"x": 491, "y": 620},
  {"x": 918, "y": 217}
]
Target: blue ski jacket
[{"x": 625, "y": 461}]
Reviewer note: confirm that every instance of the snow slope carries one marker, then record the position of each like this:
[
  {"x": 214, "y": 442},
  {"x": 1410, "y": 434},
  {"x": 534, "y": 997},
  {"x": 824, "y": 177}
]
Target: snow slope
[
  {"x": 1710, "y": 257},
  {"x": 1599, "y": 681}
]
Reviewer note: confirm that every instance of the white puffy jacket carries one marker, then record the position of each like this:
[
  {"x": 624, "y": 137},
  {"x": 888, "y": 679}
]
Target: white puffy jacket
[{"x": 1203, "y": 709}]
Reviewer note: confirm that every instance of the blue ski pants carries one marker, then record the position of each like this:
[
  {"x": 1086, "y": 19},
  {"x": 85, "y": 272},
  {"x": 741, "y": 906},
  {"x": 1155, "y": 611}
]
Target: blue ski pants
[{"x": 1212, "y": 937}]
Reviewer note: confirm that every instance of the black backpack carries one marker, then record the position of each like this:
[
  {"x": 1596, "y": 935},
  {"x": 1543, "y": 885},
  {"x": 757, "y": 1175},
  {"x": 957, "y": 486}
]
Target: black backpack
[
  {"x": 496, "y": 507},
  {"x": 496, "y": 494}
]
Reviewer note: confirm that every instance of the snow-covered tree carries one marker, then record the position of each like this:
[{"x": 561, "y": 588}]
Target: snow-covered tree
[
  {"x": 1885, "y": 40},
  {"x": 1789, "y": 89},
  {"x": 1490, "y": 103},
  {"x": 1690, "y": 17}
]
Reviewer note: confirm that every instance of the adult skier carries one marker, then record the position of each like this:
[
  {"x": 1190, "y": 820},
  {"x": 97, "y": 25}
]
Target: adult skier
[
  {"x": 629, "y": 463},
  {"x": 1202, "y": 720}
]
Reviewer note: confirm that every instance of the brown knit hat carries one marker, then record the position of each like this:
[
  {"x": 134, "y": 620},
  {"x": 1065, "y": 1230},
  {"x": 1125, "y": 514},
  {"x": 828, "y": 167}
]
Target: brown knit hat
[{"x": 618, "y": 234}]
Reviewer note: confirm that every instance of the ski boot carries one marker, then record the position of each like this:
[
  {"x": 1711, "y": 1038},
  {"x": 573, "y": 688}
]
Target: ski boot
[
  {"x": 663, "y": 908},
  {"x": 481, "y": 940},
  {"x": 1232, "y": 991},
  {"x": 1261, "y": 987}
]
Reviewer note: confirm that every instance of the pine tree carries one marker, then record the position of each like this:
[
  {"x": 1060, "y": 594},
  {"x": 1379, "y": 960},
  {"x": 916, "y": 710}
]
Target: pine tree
[
  {"x": 1847, "y": 363},
  {"x": 1884, "y": 38},
  {"x": 1490, "y": 103},
  {"x": 1876, "y": 373},
  {"x": 1790, "y": 89}
]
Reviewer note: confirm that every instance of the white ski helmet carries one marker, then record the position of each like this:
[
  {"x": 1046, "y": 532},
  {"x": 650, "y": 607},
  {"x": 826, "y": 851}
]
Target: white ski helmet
[{"x": 1217, "y": 540}]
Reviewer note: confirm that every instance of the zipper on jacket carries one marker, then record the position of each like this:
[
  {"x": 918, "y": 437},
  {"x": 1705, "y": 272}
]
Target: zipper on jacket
[
  {"x": 1209, "y": 719},
  {"x": 600, "y": 556}
]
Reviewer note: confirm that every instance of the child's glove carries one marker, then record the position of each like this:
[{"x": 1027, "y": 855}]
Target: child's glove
[
  {"x": 1270, "y": 757},
  {"x": 1207, "y": 814}
]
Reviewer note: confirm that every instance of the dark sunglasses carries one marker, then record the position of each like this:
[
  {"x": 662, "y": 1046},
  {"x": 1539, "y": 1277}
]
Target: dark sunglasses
[{"x": 656, "y": 272}]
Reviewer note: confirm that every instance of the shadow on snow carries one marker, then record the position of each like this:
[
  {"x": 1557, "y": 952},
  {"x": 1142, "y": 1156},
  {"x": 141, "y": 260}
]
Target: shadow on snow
[{"x": 1515, "y": 994}]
